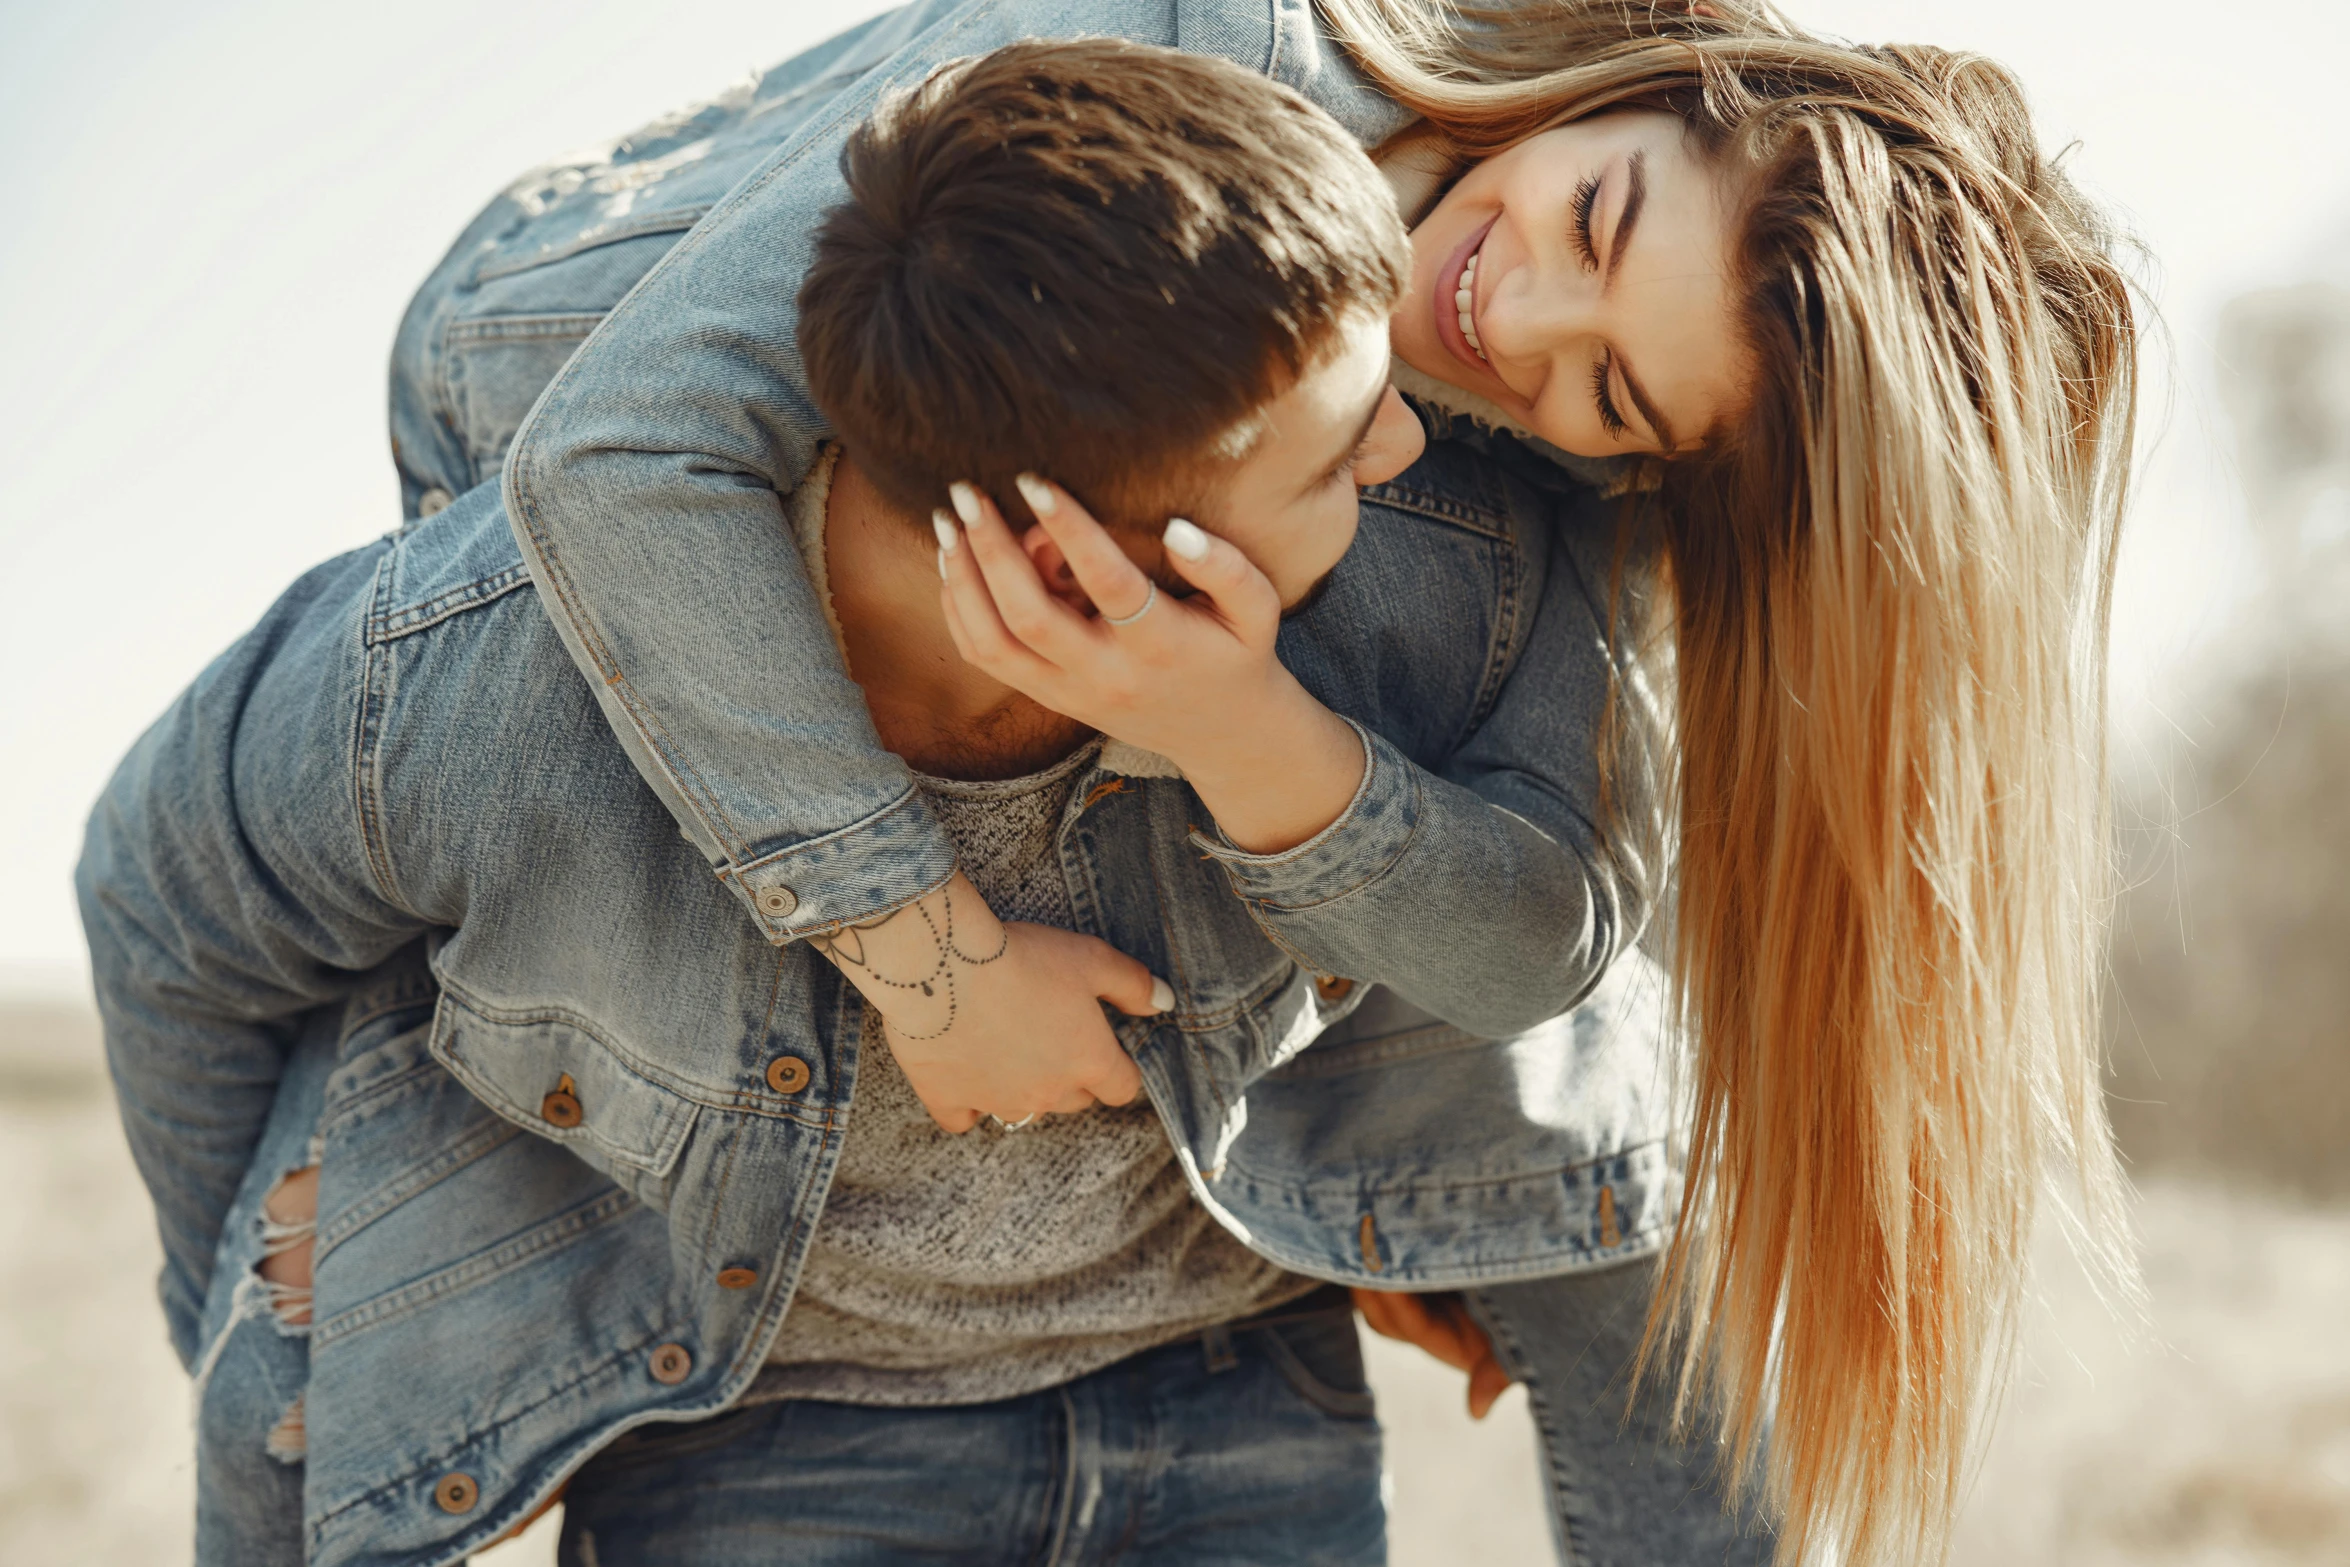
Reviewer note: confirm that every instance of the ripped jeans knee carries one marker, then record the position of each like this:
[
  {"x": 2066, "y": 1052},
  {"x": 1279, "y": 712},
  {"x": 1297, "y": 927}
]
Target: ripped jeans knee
[
  {"x": 289, "y": 1238},
  {"x": 253, "y": 1369},
  {"x": 277, "y": 1290}
]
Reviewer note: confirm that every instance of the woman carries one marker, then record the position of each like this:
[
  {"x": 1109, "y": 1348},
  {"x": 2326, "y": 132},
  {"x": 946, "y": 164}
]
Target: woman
[{"x": 1871, "y": 364}]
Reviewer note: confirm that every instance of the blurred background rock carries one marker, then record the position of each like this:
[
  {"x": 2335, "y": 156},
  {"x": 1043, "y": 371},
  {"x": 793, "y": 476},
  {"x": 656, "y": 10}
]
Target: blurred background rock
[{"x": 216, "y": 216}]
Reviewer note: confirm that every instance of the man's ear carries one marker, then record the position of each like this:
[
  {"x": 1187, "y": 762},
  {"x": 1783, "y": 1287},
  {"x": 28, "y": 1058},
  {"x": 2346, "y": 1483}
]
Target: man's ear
[{"x": 1053, "y": 567}]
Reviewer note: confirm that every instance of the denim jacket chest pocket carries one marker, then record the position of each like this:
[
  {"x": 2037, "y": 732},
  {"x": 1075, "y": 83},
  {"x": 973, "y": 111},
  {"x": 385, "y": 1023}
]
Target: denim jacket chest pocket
[{"x": 550, "y": 1074}]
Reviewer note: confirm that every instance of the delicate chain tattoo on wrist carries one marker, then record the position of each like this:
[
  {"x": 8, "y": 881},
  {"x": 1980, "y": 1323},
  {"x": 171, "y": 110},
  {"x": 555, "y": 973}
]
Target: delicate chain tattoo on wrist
[{"x": 941, "y": 975}]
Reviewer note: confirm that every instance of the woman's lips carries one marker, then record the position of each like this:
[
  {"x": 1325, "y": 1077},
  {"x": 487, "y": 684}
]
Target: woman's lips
[{"x": 1447, "y": 308}]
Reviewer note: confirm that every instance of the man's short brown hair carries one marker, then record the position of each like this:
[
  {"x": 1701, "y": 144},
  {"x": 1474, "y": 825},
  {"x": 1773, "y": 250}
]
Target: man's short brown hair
[{"x": 1093, "y": 260}]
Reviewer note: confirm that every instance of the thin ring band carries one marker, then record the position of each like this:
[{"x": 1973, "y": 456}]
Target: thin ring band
[
  {"x": 1013, "y": 1126},
  {"x": 1148, "y": 599}
]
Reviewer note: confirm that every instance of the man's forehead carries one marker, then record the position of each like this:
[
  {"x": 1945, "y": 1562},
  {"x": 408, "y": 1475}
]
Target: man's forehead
[
  {"x": 1347, "y": 376},
  {"x": 1327, "y": 401}
]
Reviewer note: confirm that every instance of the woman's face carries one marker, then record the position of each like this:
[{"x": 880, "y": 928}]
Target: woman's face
[{"x": 1581, "y": 281}]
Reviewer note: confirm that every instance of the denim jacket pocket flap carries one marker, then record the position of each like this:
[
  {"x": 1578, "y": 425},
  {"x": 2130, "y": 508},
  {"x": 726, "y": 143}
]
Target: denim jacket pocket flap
[
  {"x": 547, "y": 1073},
  {"x": 535, "y": 249}
]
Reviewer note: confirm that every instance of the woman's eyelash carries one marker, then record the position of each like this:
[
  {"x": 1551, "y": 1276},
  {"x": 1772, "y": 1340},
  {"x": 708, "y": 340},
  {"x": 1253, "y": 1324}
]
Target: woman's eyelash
[
  {"x": 1609, "y": 419},
  {"x": 1586, "y": 201}
]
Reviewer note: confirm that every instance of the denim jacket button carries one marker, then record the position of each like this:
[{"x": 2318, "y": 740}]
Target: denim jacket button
[
  {"x": 433, "y": 502},
  {"x": 456, "y": 1493},
  {"x": 787, "y": 1074},
  {"x": 779, "y": 901},
  {"x": 1332, "y": 989},
  {"x": 671, "y": 1365},
  {"x": 737, "y": 1278},
  {"x": 561, "y": 1109}
]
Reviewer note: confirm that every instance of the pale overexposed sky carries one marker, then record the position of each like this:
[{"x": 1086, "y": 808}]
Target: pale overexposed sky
[{"x": 218, "y": 212}]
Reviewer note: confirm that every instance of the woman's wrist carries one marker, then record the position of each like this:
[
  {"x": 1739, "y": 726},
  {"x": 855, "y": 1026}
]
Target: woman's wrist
[
  {"x": 909, "y": 962},
  {"x": 1278, "y": 774}
]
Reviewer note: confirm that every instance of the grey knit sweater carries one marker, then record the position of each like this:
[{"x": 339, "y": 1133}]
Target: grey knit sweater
[{"x": 951, "y": 1270}]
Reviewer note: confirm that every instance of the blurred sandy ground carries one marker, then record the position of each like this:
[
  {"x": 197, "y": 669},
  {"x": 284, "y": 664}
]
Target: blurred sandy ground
[{"x": 2224, "y": 1440}]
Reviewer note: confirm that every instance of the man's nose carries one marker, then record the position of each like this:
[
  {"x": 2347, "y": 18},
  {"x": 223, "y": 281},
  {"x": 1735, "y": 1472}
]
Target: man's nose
[{"x": 1394, "y": 444}]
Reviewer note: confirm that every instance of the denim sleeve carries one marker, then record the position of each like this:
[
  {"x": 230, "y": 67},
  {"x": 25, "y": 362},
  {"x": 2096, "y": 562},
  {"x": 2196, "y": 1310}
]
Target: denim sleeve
[
  {"x": 645, "y": 491},
  {"x": 1480, "y": 889},
  {"x": 226, "y": 891}
]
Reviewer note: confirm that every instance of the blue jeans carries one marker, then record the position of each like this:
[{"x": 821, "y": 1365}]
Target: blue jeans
[{"x": 1254, "y": 1446}]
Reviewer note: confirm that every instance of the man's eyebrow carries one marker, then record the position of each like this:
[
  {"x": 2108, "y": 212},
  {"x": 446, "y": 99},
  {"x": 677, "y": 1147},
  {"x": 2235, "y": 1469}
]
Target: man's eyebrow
[
  {"x": 1362, "y": 432},
  {"x": 1656, "y": 421},
  {"x": 1634, "y": 199}
]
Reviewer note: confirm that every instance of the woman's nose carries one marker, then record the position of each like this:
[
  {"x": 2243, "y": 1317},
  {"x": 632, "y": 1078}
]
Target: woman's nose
[
  {"x": 1538, "y": 313},
  {"x": 1394, "y": 444}
]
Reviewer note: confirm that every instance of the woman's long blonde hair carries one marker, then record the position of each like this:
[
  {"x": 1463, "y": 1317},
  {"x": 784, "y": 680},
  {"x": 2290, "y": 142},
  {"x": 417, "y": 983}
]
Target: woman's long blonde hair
[{"x": 1889, "y": 582}]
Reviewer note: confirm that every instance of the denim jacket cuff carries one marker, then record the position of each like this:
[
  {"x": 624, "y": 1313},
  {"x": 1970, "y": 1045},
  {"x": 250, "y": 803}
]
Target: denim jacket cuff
[
  {"x": 859, "y": 873},
  {"x": 1366, "y": 840}
]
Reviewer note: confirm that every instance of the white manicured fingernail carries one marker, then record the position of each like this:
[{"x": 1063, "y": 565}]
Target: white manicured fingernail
[
  {"x": 944, "y": 526},
  {"x": 966, "y": 501},
  {"x": 1186, "y": 539},
  {"x": 1162, "y": 995},
  {"x": 1038, "y": 494},
  {"x": 942, "y": 564}
]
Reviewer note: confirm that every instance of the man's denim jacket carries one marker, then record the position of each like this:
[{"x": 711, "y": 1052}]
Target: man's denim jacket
[
  {"x": 402, "y": 765},
  {"x": 401, "y": 761}
]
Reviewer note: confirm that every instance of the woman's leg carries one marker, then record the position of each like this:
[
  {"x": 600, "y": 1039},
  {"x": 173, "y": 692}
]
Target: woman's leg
[
  {"x": 1623, "y": 1492},
  {"x": 255, "y": 1361}
]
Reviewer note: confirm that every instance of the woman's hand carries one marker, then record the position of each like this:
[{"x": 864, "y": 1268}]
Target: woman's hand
[
  {"x": 1195, "y": 679},
  {"x": 992, "y": 1019},
  {"x": 1441, "y": 1325}
]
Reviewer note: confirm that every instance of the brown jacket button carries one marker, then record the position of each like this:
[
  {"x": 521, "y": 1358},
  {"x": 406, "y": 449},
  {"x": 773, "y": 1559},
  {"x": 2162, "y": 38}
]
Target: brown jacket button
[
  {"x": 561, "y": 1108},
  {"x": 456, "y": 1493},
  {"x": 737, "y": 1278},
  {"x": 787, "y": 1074},
  {"x": 1332, "y": 989},
  {"x": 671, "y": 1364}
]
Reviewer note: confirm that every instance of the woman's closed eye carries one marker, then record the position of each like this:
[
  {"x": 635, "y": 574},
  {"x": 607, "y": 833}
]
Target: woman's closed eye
[
  {"x": 1611, "y": 419},
  {"x": 1603, "y": 397},
  {"x": 1586, "y": 203}
]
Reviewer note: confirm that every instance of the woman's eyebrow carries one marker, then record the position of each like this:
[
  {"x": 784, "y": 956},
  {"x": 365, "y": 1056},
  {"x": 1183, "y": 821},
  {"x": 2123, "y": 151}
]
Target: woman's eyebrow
[
  {"x": 1656, "y": 421},
  {"x": 1634, "y": 198}
]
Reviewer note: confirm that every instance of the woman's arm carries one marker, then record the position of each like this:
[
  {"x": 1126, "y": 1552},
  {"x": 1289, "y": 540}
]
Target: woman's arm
[
  {"x": 645, "y": 492},
  {"x": 1479, "y": 886},
  {"x": 1478, "y": 890}
]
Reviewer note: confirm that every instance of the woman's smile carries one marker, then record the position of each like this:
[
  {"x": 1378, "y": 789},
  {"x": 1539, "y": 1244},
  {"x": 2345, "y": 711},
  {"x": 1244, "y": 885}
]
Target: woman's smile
[
  {"x": 1455, "y": 301},
  {"x": 1581, "y": 281}
]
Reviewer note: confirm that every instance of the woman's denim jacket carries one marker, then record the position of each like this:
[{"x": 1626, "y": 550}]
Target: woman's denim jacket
[{"x": 395, "y": 810}]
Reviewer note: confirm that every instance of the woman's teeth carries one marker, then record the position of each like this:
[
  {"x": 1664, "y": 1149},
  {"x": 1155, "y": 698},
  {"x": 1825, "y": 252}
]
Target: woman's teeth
[{"x": 1464, "y": 299}]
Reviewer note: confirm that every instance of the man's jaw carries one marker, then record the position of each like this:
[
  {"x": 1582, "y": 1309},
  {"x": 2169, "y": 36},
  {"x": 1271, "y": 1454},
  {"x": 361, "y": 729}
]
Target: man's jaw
[{"x": 1312, "y": 596}]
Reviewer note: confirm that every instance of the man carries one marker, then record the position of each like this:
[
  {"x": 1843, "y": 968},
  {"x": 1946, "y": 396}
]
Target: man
[{"x": 389, "y": 833}]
